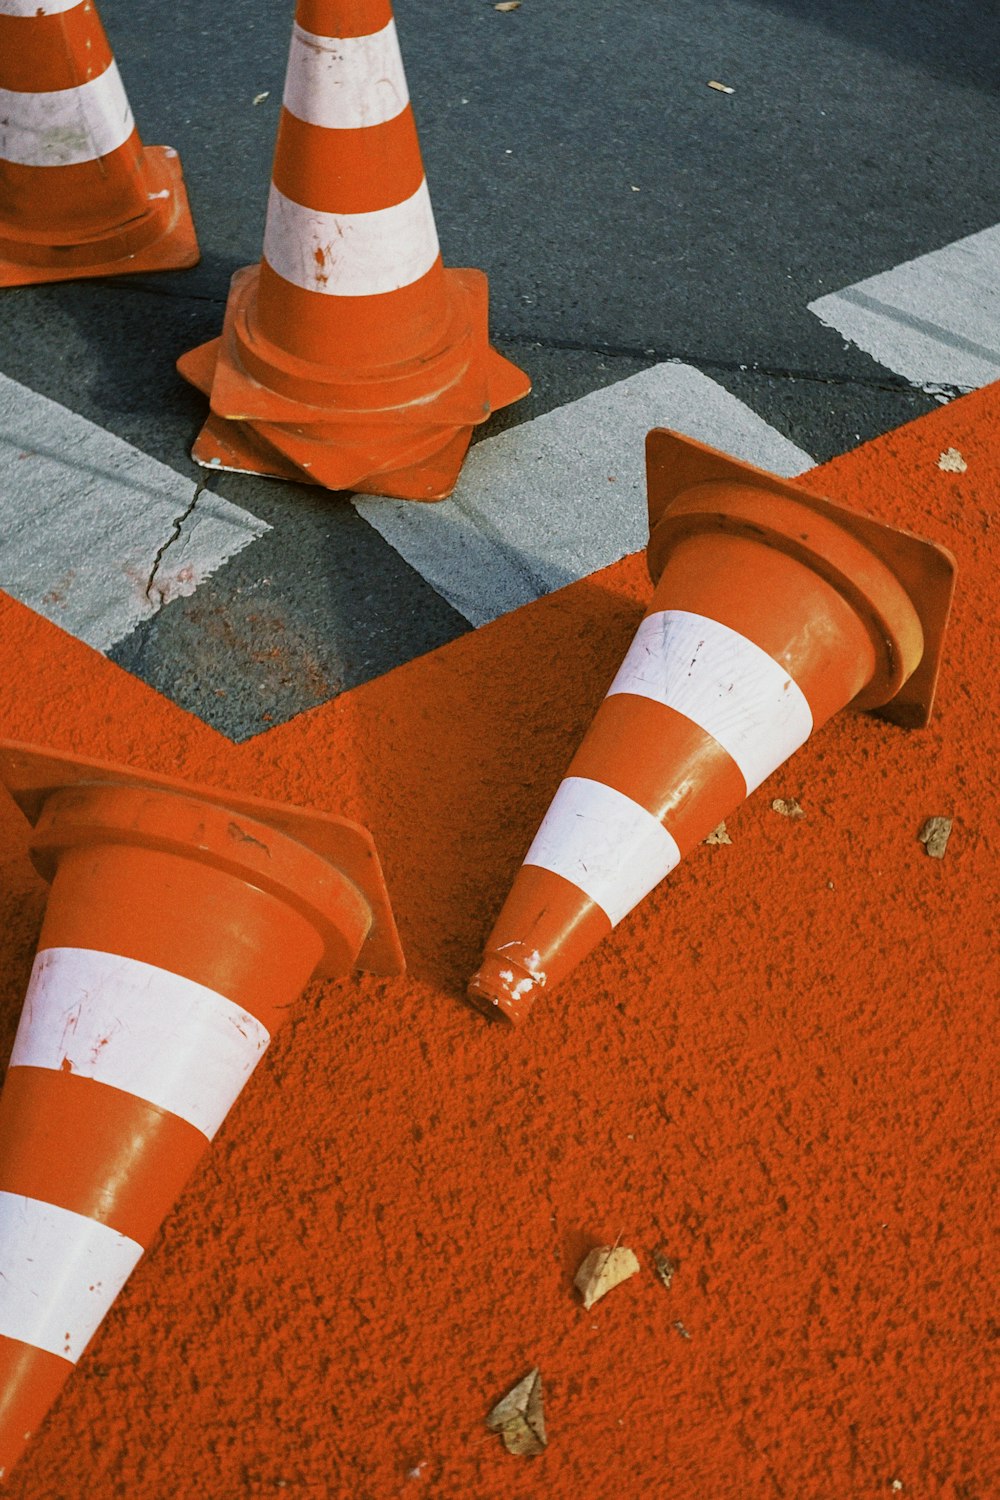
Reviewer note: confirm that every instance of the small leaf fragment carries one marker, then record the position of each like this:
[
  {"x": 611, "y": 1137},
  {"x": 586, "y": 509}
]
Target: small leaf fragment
[
  {"x": 935, "y": 835},
  {"x": 665, "y": 1268},
  {"x": 259, "y": 98},
  {"x": 789, "y": 809},
  {"x": 508, "y": 5},
  {"x": 720, "y": 88},
  {"x": 519, "y": 1418},
  {"x": 952, "y": 462},
  {"x": 603, "y": 1269},
  {"x": 718, "y": 836}
]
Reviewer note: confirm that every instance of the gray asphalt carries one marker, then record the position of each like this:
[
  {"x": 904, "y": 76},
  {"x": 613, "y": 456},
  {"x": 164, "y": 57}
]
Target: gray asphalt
[{"x": 861, "y": 133}]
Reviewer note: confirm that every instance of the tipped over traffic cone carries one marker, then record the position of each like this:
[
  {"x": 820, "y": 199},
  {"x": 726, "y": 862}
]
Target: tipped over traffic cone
[
  {"x": 773, "y": 609},
  {"x": 350, "y": 358},
  {"x": 181, "y": 925},
  {"x": 79, "y": 194}
]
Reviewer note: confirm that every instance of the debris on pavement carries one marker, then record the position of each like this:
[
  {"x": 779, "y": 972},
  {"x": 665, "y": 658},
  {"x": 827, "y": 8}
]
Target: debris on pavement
[
  {"x": 259, "y": 98},
  {"x": 718, "y": 836},
  {"x": 519, "y": 1418},
  {"x": 952, "y": 462},
  {"x": 681, "y": 1329},
  {"x": 603, "y": 1269},
  {"x": 721, "y": 88},
  {"x": 665, "y": 1268},
  {"x": 789, "y": 809},
  {"x": 508, "y": 5},
  {"x": 935, "y": 835}
]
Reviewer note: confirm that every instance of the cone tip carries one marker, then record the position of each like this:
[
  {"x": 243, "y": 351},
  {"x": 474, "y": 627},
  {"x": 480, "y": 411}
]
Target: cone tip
[{"x": 503, "y": 990}]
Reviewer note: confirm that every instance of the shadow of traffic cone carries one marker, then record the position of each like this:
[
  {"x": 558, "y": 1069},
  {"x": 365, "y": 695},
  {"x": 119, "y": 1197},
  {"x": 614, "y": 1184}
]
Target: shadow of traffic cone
[
  {"x": 79, "y": 194},
  {"x": 180, "y": 927},
  {"x": 773, "y": 609},
  {"x": 350, "y": 358}
]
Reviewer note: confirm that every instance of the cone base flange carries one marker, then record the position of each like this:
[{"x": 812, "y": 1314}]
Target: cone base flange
[
  {"x": 412, "y": 450},
  {"x": 676, "y": 465},
  {"x": 175, "y": 249},
  {"x": 32, "y": 774}
]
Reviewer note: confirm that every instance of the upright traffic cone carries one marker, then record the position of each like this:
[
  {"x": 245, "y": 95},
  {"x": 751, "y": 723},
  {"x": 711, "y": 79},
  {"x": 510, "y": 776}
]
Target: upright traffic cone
[
  {"x": 773, "y": 609},
  {"x": 181, "y": 925},
  {"x": 79, "y": 195},
  {"x": 349, "y": 357}
]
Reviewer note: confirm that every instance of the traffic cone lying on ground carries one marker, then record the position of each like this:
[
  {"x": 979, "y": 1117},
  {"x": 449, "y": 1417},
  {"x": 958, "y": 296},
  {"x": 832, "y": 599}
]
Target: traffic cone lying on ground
[
  {"x": 180, "y": 927},
  {"x": 773, "y": 609},
  {"x": 79, "y": 195},
  {"x": 349, "y": 357}
]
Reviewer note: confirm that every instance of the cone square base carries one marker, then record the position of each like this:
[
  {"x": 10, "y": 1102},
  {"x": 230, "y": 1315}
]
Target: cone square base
[
  {"x": 676, "y": 464},
  {"x": 31, "y": 774},
  {"x": 176, "y": 249},
  {"x": 391, "y": 437}
]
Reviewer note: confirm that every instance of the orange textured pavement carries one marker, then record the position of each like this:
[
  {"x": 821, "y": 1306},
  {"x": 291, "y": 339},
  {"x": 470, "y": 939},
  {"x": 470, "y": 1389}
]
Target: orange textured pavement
[{"x": 778, "y": 1070}]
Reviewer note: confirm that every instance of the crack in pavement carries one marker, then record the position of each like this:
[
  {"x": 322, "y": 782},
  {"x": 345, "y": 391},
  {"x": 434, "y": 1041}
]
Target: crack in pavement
[{"x": 178, "y": 527}]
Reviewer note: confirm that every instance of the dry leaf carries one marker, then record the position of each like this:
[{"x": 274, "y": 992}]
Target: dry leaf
[
  {"x": 604, "y": 1268},
  {"x": 721, "y": 88},
  {"x": 789, "y": 809},
  {"x": 519, "y": 1418},
  {"x": 952, "y": 462},
  {"x": 719, "y": 836},
  {"x": 508, "y": 5},
  {"x": 682, "y": 1330},
  {"x": 934, "y": 836},
  {"x": 665, "y": 1268},
  {"x": 259, "y": 98}
]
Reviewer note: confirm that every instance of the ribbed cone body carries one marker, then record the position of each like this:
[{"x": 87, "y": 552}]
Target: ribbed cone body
[
  {"x": 350, "y": 352},
  {"x": 751, "y": 642},
  {"x": 79, "y": 195},
  {"x": 177, "y": 934}
]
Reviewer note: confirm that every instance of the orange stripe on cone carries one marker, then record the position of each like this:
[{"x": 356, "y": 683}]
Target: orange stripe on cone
[
  {"x": 181, "y": 925},
  {"x": 773, "y": 609},
  {"x": 81, "y": 196},
  {"x": 350, "y": 353}
]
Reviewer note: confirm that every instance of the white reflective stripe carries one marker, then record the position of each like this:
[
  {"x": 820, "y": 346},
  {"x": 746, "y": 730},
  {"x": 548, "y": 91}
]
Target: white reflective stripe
[
  {"x": 351, "y": 255},
  {"x": 723, "y": 683},
  {"x": 64, "y": 127},
  {"x": 606, "y": 844},
  {"x": 61, "y": 1273},
  {"x": 345, "y": 83},
  {"x": 141, "y": 1029},
  {"x": 37, "y": 7}
]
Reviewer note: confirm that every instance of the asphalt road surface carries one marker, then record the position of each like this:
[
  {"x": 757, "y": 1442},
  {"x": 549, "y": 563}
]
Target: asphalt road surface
[{"x": 628, "y": 216}]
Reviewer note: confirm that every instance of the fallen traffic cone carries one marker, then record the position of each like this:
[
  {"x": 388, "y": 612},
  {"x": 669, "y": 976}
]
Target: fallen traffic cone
[
  {"x": 773, "y": 609},
  {"x": 350, "y": 358},
  {"x": 181, "y": 925},
  {"x": 79, "y": 194}
]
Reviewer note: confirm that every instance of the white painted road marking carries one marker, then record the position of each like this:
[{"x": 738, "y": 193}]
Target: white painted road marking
[
  {"x": 84, "y": 517},
  {"x": 555, "y": 499},
  {"x": 934, "y": 320}
]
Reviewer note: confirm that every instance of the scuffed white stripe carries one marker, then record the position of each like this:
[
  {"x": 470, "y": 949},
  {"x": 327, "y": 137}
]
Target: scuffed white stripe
[
  {"x": 605, "y": 844},
  {"x": 59, "y": 1273},
  {"x": 84, "y": 518},
  {"x": 64, "y": 127},
  {"x": 345, "y": 83},
  {"x": 723, "y": 683},
  {"x": 351, "y": 255},
  {"x": 37, "y": 7},
  {"x": 934, "y": 320},
  {"x": 556, "y": 498},
  {"x": 140, "y": 1029}
]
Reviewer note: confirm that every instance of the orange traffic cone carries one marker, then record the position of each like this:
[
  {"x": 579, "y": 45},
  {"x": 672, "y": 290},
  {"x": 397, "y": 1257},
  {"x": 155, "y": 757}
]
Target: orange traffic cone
[
  {"x": 349, "y": 357},
  {"x": 79, "y": 195},
  {"x": 180, "y": 927},
  {"x": 773, "y": 609}
]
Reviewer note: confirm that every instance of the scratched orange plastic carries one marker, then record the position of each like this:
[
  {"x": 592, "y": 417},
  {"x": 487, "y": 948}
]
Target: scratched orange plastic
[{"x": 778, "y": 1070}]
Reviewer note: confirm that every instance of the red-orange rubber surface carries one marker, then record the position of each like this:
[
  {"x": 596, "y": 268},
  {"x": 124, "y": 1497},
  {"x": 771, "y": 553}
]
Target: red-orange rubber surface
[{"x": 779, "y": 1070}]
